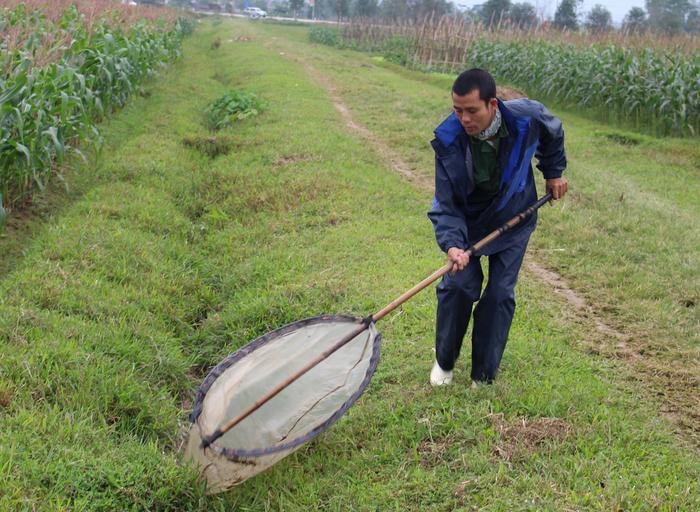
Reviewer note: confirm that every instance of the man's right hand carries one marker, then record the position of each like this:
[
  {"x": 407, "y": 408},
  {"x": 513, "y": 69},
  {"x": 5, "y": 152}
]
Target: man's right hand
[{"x": 458, "y": 257}]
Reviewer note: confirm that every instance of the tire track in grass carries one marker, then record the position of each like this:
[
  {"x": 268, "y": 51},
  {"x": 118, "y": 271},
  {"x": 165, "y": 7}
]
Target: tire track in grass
[
  {"x": 390, "y": 157},
  {"x": 559, "y": 286}
]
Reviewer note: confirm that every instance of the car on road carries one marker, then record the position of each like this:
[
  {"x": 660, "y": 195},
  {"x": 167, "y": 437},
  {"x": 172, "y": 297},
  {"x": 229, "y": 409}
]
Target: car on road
[{"x": 255, "y": 12}]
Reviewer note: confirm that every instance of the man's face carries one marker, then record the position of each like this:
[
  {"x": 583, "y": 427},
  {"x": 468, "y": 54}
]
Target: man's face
[{"x": 474, "y": 113}]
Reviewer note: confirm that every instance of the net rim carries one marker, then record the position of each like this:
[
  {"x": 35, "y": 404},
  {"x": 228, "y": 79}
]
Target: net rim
[{"x": 241, "y": 454}]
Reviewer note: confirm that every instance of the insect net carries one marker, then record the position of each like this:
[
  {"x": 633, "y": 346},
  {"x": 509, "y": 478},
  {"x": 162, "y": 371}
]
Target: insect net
[{"x": 297, "y": 414}]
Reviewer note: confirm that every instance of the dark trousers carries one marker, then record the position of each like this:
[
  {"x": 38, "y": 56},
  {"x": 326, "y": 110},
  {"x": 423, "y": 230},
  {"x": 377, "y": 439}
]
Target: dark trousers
[{"x": 492, "y": 316}]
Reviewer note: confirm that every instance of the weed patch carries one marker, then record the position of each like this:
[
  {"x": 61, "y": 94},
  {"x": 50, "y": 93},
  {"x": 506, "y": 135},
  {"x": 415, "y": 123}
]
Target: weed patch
[{"x": 231, "y": 107}]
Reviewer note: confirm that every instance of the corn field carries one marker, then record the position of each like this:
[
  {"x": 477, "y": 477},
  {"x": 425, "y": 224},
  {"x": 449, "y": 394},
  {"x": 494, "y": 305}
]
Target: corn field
[
  {"x": 65, "y": 65},
  {"x": 650, "y": 82}
]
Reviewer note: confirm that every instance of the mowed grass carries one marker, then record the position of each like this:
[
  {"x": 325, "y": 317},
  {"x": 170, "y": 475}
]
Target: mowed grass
[{"x": 172, "y": 259}]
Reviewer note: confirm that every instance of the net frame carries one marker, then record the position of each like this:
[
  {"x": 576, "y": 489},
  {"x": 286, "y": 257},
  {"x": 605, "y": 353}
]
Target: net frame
[{"x": 234, "y": 454}]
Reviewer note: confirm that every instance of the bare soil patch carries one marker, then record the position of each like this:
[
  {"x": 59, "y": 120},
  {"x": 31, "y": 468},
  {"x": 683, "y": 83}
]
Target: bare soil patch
[
  {"x": 525, "y": 435},
  {"x": 5, "y": 398}
]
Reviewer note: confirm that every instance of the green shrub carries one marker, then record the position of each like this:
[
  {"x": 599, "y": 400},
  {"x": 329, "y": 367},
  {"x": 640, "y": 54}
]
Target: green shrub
[
  {"x": 184, "y": 25},
  {"x": 325, "y": 35},
  {"x": 231, "y": 107},
  {"x": 399, "y": 49}
]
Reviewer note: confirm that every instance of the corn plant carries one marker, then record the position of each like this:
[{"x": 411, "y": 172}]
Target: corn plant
[
  {"x": 62, "y": 72},
  {"x": 657, "y": 92}
]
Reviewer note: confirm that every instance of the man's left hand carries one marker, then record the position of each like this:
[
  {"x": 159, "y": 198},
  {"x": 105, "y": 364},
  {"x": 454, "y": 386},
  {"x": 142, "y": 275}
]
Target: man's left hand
[{"x": 557, "y": 186}]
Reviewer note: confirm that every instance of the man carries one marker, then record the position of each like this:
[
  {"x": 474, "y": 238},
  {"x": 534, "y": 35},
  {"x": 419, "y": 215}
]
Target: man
[{"x": 484, "y": 177}]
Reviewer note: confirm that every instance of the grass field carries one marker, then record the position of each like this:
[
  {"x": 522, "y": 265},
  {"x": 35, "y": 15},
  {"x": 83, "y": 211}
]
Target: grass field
[{"x": 165, "y": 260}]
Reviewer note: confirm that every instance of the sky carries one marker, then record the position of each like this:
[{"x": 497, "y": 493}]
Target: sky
[{"x": 618, "y": 9}]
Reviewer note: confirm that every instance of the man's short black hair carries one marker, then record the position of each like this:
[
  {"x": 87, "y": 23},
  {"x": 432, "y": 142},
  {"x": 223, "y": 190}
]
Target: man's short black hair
[{"x": 475, "y": 78}]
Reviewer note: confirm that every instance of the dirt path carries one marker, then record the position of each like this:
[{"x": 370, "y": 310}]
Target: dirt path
[{"x": 388, "y": 155}]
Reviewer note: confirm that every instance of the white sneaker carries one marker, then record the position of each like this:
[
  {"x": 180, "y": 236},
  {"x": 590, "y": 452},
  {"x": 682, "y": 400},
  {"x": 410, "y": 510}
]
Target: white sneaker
[{"x": 439, "y": 377}]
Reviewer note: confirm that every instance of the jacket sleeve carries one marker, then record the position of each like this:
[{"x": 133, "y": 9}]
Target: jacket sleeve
[
  {"x": 447, "y": 218},
  {"x": 550, "y": 152}
]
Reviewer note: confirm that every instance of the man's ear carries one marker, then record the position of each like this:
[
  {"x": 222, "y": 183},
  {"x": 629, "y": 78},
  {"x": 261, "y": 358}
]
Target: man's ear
[{"x": 493, "y": 102}]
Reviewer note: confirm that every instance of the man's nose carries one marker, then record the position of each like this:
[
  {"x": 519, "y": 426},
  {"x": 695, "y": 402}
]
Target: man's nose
[{"x": 464, "y": 118}]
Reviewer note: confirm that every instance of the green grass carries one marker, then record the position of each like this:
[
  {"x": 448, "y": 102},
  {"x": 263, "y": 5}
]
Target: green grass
[{"x": 171, "y": 259}]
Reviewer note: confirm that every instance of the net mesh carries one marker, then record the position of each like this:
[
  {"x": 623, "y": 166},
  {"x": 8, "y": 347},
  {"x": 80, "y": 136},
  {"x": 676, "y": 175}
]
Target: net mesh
[{"x": 298, "y": 413}]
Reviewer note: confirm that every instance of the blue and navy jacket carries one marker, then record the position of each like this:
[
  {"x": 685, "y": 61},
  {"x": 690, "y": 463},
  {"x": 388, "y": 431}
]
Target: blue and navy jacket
[{"x": 533, "y": 132}]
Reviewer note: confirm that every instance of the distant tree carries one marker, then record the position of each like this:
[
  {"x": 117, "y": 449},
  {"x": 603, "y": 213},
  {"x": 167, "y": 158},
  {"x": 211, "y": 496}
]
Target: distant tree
[
  {"x": 439, "y": 7},
  {"x": 324, "y": 9},
  {"x": 692, "y": 21},
  {"x": 566, "y": 16},
  {"x": 280, "y": 8},
  {"x": 473, "y": 13},
  {"x": 492, "y": 11},
  {"x": 668, "y": 16},
  {"x": 394, "y": 9},
  {"x": 342, "y": 9},
  {"x": 294, "y": 6},
  {"x": 523, "y": 14},
  {"x": 365, "y": 8},
  {"x": 635, "y": 20},
  {"x": 599, "y": 19},
  {"x": 422, "y": 8}
]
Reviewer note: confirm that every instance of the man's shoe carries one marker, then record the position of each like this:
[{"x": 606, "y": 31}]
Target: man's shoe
[{"x": 439, "y": 377}]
